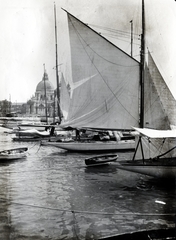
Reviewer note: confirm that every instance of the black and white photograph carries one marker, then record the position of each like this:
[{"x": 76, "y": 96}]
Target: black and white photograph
[{"x": 87, "y": 119}]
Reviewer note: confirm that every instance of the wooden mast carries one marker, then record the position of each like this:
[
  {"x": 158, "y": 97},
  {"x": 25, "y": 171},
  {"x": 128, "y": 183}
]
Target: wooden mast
[
  {"x": 57, "y": 76},
  {"x": 142, "y": 58},
  {"x": 46, "y": 112},
  {"x": 131, "y": 38}
]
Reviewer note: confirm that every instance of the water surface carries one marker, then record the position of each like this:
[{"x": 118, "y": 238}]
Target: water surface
[{"x": 52, "y": 195}]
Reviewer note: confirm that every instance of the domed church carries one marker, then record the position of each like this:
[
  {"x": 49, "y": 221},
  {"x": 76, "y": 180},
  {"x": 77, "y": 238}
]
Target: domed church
[{"x": 37, "y": 104}]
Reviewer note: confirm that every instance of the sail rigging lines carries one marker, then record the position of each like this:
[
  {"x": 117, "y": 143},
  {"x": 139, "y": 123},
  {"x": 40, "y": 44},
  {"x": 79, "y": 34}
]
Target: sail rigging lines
[
  {"x": 97, "y": 113},
  {"x": 84, "y": 44},
  {"x": 87, "y": 45},
  {"x": 115, "y": 32},
  {"x": 109, "y": 93},
  {"x": 121, "y": 36}
]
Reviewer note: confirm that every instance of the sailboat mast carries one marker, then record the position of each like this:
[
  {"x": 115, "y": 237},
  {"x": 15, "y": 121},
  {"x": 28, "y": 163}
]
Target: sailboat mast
[
  {"x": 142, "y": 68},
  {"x": 131, "y": 37},
  {"x": 57, "y": 76},
  {"x": 46, "y": 114}
]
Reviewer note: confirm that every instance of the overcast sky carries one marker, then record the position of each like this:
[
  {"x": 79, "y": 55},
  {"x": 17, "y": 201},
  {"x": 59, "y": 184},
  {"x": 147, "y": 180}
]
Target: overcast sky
[{"x": 27, "y": 37}]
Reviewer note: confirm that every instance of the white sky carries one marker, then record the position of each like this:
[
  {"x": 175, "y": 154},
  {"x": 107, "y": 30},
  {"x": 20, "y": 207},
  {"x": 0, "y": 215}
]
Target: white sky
[{"x": 27, "y": 37}]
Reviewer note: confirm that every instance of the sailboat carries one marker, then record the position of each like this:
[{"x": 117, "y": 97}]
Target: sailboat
[
  {"x": 155, "y": 151},
  {"x": 104, "y": 89}
]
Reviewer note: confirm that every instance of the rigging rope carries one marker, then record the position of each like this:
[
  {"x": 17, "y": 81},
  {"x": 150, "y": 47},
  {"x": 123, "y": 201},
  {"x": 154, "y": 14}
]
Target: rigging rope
[
  {"x": 80, "y": 37},
  {"x": 89, "y": 212}
]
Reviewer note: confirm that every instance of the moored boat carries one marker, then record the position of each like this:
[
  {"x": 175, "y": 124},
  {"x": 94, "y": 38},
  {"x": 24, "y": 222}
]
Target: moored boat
[
  {"x": 155, "y": 152},
  {"x": 34, "y": 134},
  {"x": 161, "y": 165},
  {"x": 12, "y": 154},
  {"x": 100, "y": 159},
  {"x": 93, "y": 146},
  {"x": 99, "y": 99}
]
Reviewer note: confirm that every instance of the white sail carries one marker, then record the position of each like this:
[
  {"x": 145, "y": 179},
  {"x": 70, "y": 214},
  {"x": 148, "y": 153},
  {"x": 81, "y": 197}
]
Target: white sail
[
  {"x": 159, "y": 114},
  {"x": 64, "y": 97},
  {"x": 106, "y": 79},
  {"x": 160, "y": 105}
]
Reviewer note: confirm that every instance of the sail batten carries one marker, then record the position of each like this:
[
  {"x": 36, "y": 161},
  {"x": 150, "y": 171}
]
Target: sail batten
[{"x": 105, "y": 81}]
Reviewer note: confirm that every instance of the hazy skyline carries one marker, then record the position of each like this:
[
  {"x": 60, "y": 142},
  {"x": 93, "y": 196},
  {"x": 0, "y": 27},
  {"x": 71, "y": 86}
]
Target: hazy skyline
[{"x": 27, "y": 38}]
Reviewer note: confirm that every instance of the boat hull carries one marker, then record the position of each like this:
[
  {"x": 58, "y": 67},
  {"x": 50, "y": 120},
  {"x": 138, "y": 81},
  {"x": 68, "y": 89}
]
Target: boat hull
[
  {"x": 100, "y": 160},
  {"x": 165, "y": 168},
  {"x": 29, "y": 139},
  {"x": 97, "y": 146},
  {"x": 12, "y": 154}
]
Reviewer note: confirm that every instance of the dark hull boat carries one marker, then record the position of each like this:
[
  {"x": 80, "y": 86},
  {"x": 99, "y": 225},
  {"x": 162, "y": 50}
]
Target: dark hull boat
[
  {"x": 155, "y": 168},
  {"x": 100, "y": 160}
]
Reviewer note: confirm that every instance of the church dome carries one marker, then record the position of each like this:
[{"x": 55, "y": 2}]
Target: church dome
[{"x": 41, "y": 85}]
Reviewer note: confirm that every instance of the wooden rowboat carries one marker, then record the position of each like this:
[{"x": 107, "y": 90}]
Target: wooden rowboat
[
  {"x": 15, "y": 153},
  {"x": 100, "y": 159}
]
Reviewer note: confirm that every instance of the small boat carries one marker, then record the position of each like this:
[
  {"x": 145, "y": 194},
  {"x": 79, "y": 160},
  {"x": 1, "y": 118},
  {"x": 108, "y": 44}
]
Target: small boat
[
  {"x": 100, "y": 159},
  {"x": 15, "y": 153}
]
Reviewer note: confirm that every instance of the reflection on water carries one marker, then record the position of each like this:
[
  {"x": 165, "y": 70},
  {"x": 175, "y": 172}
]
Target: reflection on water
[{"x": 52, "y": 195}]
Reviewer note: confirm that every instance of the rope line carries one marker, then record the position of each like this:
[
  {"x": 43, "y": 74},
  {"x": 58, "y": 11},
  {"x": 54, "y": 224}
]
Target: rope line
[
  {"x": 87, "y": 212},
  {"x": 86, "y": 45}
]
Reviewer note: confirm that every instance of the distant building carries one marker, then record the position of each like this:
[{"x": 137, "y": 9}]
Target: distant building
[
  {"x": 38, "y": 104},
  {"x": 5, "y": 108}
]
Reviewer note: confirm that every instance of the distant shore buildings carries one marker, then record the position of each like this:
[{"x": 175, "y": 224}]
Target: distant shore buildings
[
  {"x": 44, "y": 99},
  {"x": 43, "y": 102}
]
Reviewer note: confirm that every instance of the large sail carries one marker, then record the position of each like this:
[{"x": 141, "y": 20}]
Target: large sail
[
  {"x": 159, "y": 113},
  {"x": 105, "y": 81},
  {"x": 64, "y": 97},
  {"x": 160, "y": 105}
]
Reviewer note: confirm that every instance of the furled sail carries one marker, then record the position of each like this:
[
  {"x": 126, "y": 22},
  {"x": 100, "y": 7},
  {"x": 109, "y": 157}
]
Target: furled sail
[{"x": 105, "y": 81}]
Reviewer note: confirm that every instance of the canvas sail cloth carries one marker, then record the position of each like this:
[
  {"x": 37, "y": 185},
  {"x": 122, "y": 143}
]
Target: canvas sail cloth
[
  {"x": 64, "y": 97},
  {"x": 105, "y": 84},
  {"x": 159, "y": 114}
]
